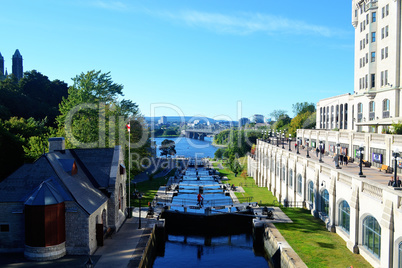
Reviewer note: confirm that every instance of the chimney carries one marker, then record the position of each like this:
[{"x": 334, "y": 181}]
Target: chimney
[{"x": 57, "y": 144}]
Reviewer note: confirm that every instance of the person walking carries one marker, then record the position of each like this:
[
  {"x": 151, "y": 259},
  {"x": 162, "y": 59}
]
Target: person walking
[
  {"x": 341, "y": 159},
  {"x": 200, "y": 200},
  {"x": 345, "y": 160}
]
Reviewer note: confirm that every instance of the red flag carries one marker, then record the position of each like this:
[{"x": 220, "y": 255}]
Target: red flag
[{"x": 128, "y": 127}]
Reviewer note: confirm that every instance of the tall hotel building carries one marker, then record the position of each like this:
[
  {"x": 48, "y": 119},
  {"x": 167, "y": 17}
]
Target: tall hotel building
[{"x": 376, "y": 101}]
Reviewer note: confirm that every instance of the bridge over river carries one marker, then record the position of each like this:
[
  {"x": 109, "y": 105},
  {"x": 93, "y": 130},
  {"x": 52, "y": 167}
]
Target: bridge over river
[{"x": 200, "y": 134}]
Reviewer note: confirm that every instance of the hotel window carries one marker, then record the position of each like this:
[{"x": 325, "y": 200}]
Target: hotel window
[
  {"x": 387, "y": 10},
  {"x": 372, "y": 56},
  {"x": 372, "y": 80},
  {"x": 291, "y": 178},
  {"x": 366, "y": 80},
  {"x": 310, "y": 192},
  {"x": 367, "y": 38},
  {"x": 386, "y": 30},
  {"x": 367, "y": 19},
  {"x": 366, "y": 57},
  {"x": 344, "y": 216},
  {"x": 386, "y": 52},
  {"x": 361, "y": 10},
  {"x": 373, "y": 37},
  {"x": 364, "y": 25},
  {"x": 325, "y": 202},
  {"x": 373, "y": 17},
  {"x": 361, "y": 45},
  {"x": 371, "y": 110},
  {"x": 382, "y": 53},
  {"x": 299, "y": 184},
  {"x": 360, "y": 62},
  {"x": 383, "y": 12},
  {"x": 385, "y": 108},
  {"x": 382, "y": 33},
  {"x": 361, "y": 27},
  {"x": 372, "y": 235},
  {"x": 364, "y": 43},
  {"x": 356, "y": 13},
  {"x": 382, "y": 78},
  {"x": 385, "y": 77}
]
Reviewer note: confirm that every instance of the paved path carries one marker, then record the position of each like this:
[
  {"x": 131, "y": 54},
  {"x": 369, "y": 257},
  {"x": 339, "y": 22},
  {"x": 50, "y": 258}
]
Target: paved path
[{"x": 371, "y": 173}]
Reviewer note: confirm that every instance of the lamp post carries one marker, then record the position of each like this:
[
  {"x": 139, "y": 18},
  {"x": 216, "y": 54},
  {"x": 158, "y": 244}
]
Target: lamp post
[
  {"x": 138, "y": 195},
  {"x": 321, "y": 152},
  {"x": 290, "y": 140},
  {"x": 308, "y": 147},
  {"x": 277, "y": 139},
  {"x": 283, "y": 140},
  {"x": 297, "y": 146},
  {"x": 396, "y": 158},
  {"x": 361, "y": 151}
]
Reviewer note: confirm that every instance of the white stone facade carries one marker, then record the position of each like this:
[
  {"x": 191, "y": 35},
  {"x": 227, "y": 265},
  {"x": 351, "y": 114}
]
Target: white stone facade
[
  {"x": 375, "y": 103},
  {"x": 299, "y": 181}
]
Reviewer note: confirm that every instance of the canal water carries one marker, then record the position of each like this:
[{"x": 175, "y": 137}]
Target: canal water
[
  {"x": 190, "y": 147},
  {"x": 182, "y": 248}
]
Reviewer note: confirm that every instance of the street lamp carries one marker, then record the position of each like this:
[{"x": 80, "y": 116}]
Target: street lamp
[
  {"x": 283, "y": 140},
  {"x": 308, "y": 148},
  {"x": 321, "y": 152},
  {"x": 138, "y": 195},
  {"x": 297, "y": 147},
  {"x": 290, "y": 140},
  {"x": 396, "y": 158},
  {"x": 277, "y": 140},
  {"x": 361, "y": 151}
]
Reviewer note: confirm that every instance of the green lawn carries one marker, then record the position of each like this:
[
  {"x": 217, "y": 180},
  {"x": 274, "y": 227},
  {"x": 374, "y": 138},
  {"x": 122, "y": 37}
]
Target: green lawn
[{"x": 307, "y": 235}]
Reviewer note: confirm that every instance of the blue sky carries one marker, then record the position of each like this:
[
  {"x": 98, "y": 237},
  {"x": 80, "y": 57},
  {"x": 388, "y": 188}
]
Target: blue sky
[{"x": 221, "y": 59}]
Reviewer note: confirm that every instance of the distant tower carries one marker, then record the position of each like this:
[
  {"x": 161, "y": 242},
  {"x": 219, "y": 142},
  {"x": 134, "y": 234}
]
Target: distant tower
[
  {"x": 17, "y": 65},
  {"x": 1, "y": 65}
]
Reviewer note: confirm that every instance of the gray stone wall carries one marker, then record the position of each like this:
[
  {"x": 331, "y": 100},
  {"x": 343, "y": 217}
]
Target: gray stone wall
[
  {"x": 12, "y": 215},
  {"x": 76, "y": 230},
  {"x": 93, "y": 219}
]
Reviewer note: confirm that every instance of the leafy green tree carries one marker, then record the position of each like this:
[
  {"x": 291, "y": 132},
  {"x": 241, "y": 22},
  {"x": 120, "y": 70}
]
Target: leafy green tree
[
  {"x": 219, "y": 153},
  {"x": 303, "y": 107},
  {"x": 397, "y": 127},
  {"x": 277, "y": 114},
  {"x": 167, "y": 148}
]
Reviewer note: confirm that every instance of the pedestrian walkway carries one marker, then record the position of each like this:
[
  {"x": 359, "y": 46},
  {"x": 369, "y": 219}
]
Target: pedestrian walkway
[{"x": 371, "y": 173}]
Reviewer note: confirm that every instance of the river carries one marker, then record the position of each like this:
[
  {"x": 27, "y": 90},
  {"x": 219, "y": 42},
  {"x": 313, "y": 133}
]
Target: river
[{"x": 187, "y": 147}]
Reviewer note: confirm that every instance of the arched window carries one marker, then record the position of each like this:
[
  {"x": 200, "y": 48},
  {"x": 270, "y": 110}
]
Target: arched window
[
  {"x": 345, "y": 124},
  {"x": 283, "y": 173},
  {"x": 371, "y": 110},
  {"x": 310, "y": 192},
  {"x": 299, "y": 184},
  {"x": 344, "y": 216},
  {"x": 400, "y": 255},
  {"x": 325, "y": 202},
  {"x": 372, "y": 235},
  {"x": 359, "y": 112},
  {"x": 385, "y": 108},
  {"x": 291, "y": 178}
]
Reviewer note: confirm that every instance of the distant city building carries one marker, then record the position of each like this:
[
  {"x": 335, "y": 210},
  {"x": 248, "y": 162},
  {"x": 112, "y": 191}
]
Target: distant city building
[
  {"x": 268, "y": 120},
  {"x": 258, "y": 118},
  {"x": 163, "y": 120},
  {"x": 376, "y": 101},
  {"x": 17, "y": 67},
  {"x": 243, "y": 121}
]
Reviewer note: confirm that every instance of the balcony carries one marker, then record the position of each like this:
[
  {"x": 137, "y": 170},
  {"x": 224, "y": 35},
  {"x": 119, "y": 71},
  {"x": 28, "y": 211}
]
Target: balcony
[{"x": 373, "y": 4}]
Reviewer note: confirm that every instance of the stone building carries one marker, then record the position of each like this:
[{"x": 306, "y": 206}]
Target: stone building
[
  {"x": 17, "y": 66},
  {"x": 63, "y": 203},
  {"x": 376, "y": 101}
]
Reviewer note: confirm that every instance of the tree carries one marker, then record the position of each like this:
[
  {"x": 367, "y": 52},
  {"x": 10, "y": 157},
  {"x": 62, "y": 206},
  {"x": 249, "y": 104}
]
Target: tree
[
  {"x": 303, "y": 107},
  {"x": 276, "y": 114},
  {"x": 219, "y": 153},
  {"x": 91, "y": 105},
  {"x": 167, "y": 148}
]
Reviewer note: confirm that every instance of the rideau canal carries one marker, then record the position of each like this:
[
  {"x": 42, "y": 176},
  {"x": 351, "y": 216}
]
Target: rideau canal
[{"x": 184, "y": 248}]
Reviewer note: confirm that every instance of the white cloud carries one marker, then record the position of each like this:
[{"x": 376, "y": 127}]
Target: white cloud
[{"x": 247, "y": 23}]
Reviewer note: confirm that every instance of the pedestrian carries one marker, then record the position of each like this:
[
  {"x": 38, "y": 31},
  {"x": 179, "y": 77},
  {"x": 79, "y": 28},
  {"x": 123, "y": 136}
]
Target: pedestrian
[
  {"x": 336, "y": 160},
  {"x": 317, "y": 151},
  {"x": 295, "y": 146},
  {"x": 341, "y": 159},
  {"x": 200, "y": 200},
  {"x": 345, "y": 160}
]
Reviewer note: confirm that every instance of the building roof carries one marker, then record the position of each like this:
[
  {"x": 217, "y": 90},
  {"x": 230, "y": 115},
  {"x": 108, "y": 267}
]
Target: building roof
[
  {"x": 17, "y": 54},
  {"x": 49, "y": 180},
  {"x": 47, "y": 193}
]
